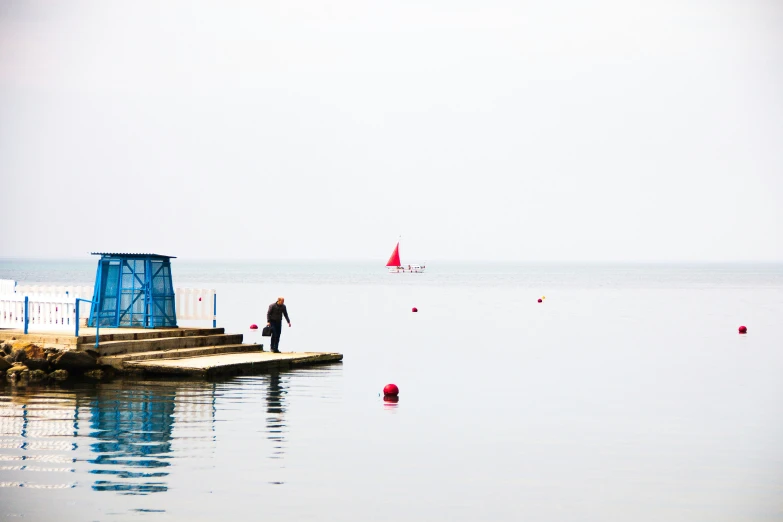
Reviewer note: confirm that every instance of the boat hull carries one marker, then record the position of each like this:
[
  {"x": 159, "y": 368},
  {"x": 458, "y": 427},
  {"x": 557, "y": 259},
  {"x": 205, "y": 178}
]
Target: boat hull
[{"x": 407, "y": 269}]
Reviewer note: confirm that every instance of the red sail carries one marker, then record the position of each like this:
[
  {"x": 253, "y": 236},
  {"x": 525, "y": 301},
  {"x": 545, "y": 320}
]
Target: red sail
[{"x": 394, "y": 260}]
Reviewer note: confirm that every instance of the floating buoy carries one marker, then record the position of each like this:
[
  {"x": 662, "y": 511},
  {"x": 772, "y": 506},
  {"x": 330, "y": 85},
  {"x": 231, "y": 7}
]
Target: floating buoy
[
  {"x": 540, "y": 300},
  {"x": 391, "y": 390},
  {"x": 254, "y": 327},
  {"x": 199, "y": 299},
  {"x": 414, "y": 309},
  {"x": 743, "y": 329}
]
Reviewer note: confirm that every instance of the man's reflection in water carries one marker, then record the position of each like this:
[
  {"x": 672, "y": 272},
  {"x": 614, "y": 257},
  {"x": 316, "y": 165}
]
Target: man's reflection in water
[{"x": 275, "y": 408}]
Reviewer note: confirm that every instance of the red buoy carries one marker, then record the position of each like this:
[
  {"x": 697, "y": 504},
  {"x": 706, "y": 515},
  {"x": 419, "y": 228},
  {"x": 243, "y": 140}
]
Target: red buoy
[
  {"x": 254, "y": 327},
  {"x": 743, "y": 329},
  {"x": 540, "y": 300},
  {"x": 414, "y": 309},
  {"x": 390, "y": 398},
  {"x": 199, "y": 299},
  {"x": 391, "y": 389}
]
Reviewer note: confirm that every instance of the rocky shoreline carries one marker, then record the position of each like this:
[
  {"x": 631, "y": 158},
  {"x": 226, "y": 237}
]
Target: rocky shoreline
[{"x": 22, "y": 362}]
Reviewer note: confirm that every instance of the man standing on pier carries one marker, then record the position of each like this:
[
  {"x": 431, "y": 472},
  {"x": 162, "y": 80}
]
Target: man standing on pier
[{"x": 274, "y": 318}]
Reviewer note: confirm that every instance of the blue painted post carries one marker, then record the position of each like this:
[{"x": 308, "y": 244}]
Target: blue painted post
[
  {"x": 26, "y": 313},
  {"x": 149, "y": 306},
  {"x": 76, "y": 333},
  {"x": 214, "y": 310},
  {"x": 97, "y": 322},
  {"x": 95, "y": 293}
]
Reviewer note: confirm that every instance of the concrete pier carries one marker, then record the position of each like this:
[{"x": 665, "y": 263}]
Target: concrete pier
[
  {"x": 198, "y": 352},
  {"x": 231, "y": 363}
]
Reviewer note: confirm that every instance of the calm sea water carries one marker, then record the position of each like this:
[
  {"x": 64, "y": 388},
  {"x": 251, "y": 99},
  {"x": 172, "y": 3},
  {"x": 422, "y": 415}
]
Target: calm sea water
[{"x": 626, "y": 395}]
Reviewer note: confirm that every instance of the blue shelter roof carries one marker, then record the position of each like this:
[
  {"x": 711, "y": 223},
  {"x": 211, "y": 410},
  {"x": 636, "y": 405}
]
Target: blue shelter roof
[{"x": 130, "y": 254}]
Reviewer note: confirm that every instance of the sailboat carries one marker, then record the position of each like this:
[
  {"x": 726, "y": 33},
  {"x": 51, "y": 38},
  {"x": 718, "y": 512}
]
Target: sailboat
[{"x": 394, "y": 266}]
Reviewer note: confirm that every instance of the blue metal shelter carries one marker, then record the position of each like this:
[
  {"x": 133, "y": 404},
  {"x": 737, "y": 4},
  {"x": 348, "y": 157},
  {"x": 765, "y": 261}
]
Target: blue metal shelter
[{"x": 133, "y": 290}]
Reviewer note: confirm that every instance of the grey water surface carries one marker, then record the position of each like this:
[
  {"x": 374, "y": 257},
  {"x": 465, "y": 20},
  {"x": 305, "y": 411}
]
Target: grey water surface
[{"x": 626, "y": 395}]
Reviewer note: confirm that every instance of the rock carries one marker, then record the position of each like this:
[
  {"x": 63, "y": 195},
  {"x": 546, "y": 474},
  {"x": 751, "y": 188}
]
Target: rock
[
  {"x": 5, "y": 349},
  {"x": 35, "y": 352},
  {"x": 95, "y": 374},
  {"x": 4, "y": 364},
  {"x": 18, "y": 355},
  {"x": 17, "y": 373},
  {"x": 75, "y": 361},
  {"x": 12, "y": 373},
  {"x": 58, "y": 375},
  {"x": 16, "y": 370},
  {"x": 37, "y": 375},
  {"x": 24, "y": 350},
  {"x": 37, "y": 364}
]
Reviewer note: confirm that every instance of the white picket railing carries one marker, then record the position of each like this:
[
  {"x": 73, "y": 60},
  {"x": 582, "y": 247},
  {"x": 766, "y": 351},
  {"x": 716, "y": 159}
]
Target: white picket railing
[
  {"x": 195, "y": 303},
  {"x": 44, "y": 313},
  {"x": 54, "y": 307},
  {"x": 11, "y": 312},
  {"x": 51, "y": 313}
]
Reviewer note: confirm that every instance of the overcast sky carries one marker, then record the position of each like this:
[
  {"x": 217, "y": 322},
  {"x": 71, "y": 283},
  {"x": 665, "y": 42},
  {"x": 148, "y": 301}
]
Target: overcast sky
[{"x": 607, "y": 130}]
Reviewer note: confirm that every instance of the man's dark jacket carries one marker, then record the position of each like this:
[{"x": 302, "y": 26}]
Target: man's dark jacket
[{"x": 276, "y": 313}]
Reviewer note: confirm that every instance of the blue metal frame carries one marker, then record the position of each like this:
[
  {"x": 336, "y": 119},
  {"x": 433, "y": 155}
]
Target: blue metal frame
[
  {"x": 133, "y": 290},
  {"x": 126, "y": 313},
  {"x": 97, "y": 327},
  {"x": 26, "y": 313}
]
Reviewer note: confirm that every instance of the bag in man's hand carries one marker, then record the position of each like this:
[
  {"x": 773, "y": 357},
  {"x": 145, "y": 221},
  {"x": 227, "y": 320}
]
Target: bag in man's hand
[{"x": 267, "y": 331}]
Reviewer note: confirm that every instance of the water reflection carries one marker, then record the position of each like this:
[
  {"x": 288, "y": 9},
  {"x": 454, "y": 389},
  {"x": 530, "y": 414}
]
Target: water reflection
[
  {"x": 275, "y": 409},
  {"x": 38, "y": 440},
  {"x": 120, "y": 445},
  {"x": 123, "y": 432},
  {"x": 390, "y": 402},
  {"x": 134, "y": 430}
]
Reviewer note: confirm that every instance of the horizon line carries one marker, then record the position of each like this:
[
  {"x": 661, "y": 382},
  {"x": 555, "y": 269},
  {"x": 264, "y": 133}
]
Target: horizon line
[{"x": 434, "y": 260}]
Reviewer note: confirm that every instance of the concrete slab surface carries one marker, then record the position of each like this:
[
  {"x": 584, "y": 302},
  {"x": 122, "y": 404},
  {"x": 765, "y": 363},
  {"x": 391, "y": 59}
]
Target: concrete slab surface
[{"x": 232, "y": 363}]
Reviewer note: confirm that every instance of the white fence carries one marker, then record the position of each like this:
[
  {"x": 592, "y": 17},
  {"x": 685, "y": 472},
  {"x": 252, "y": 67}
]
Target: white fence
[
  {"x": 54, "y": 307},
  {"x": 49, "y": 307},
  {"x": 44, "y": 313},
  {"x": 195, "y": 303},
  {"x": 11, "y": 312}
]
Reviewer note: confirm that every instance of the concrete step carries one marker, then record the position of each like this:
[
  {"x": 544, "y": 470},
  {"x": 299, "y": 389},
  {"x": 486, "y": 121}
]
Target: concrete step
[
  {"x": 166, "y": 343},
  {"x": 138, "y": 334},
  {"x": 119, "y": 361}
]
